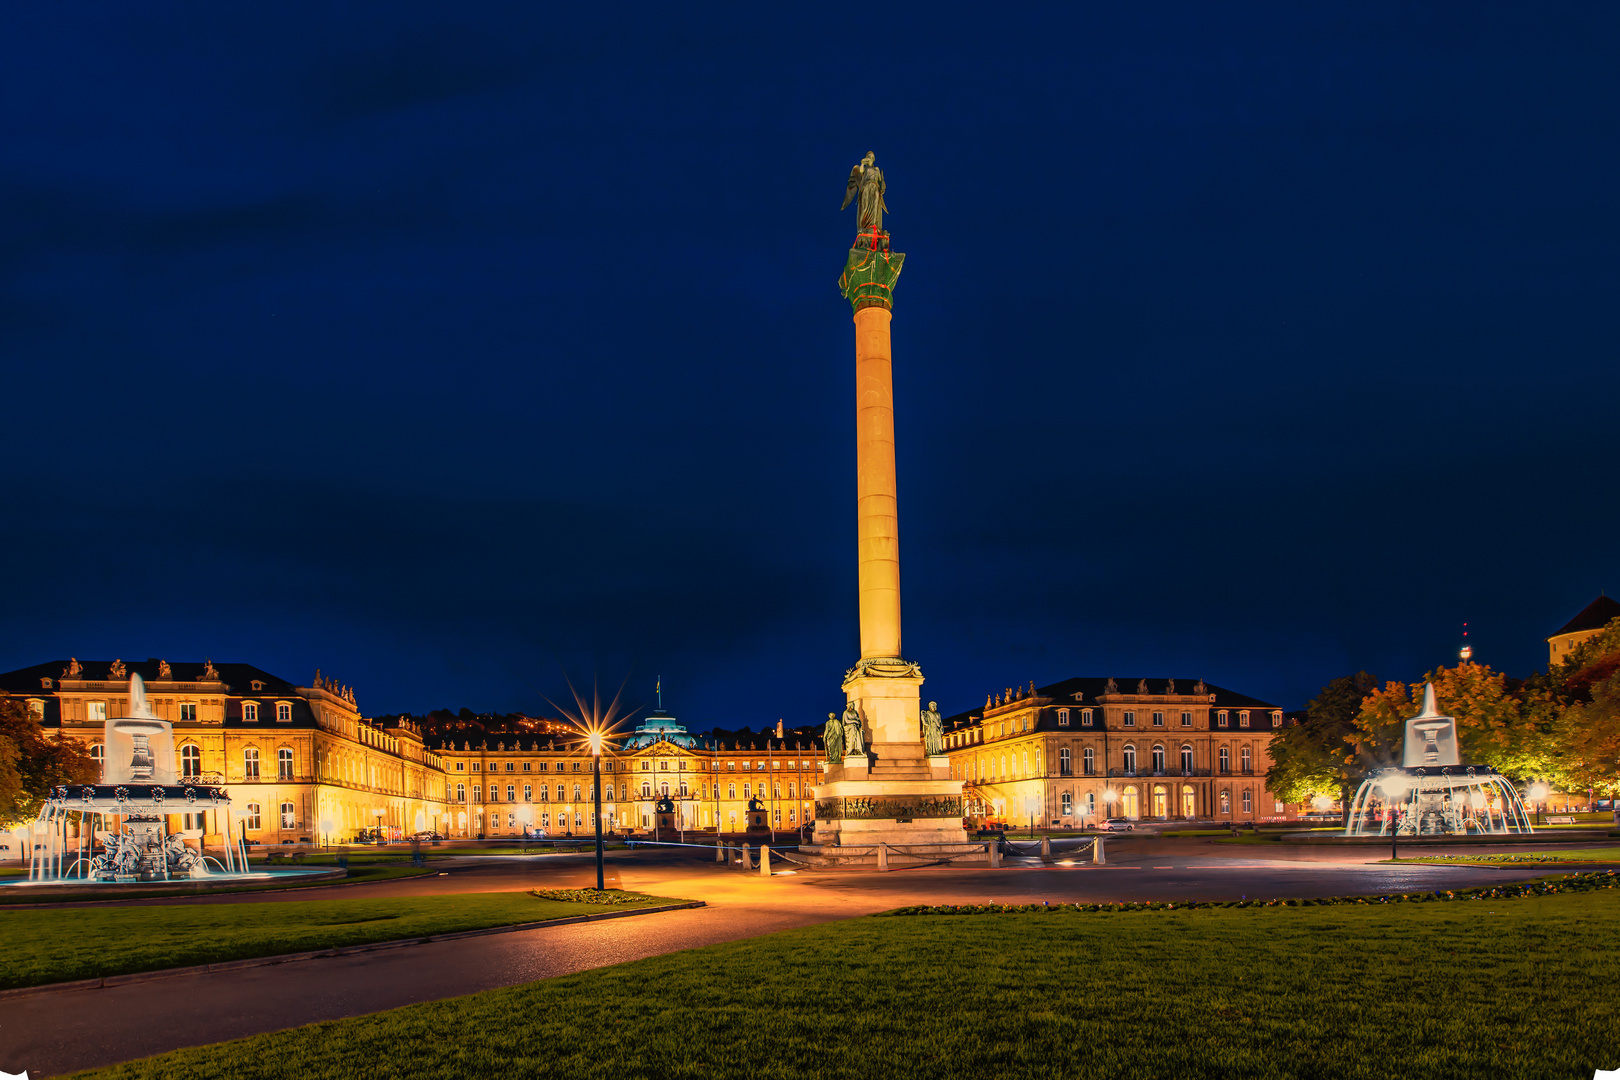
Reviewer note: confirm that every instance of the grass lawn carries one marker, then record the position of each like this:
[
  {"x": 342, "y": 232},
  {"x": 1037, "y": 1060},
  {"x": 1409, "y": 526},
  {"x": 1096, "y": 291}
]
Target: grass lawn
[
  {"x": 1468, "y": 989},
  {"x": 58, "y": 945}
]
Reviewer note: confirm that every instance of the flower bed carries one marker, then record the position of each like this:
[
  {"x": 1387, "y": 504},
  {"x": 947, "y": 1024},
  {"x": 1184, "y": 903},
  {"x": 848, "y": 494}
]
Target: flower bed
[{"x": 1571, "y": 883}]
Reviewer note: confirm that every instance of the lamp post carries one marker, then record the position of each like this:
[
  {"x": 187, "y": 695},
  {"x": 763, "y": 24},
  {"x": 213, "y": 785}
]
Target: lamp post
[
  {"x": 596, "y": 785},
  {"x": 379, "y": 814},
  {"x": 1109, "y": 795},
  {"x": 1537, "y": 792}
]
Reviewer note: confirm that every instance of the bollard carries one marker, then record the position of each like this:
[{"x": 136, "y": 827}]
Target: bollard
[
  {"x": 995, "y": 854},
  {"x": 1046, "y": 848},
  {"x": 719, "y": 852},
  {"x": 1098, "y": 858},
  {"x": 883, "y": 856},
  {"x": 764, "y": 860},
  {"x": 747, "y": 861}
]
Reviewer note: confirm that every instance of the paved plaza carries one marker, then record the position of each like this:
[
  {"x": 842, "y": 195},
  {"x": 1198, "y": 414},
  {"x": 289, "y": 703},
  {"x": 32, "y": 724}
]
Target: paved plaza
[{"x": 56, "y": 1032}]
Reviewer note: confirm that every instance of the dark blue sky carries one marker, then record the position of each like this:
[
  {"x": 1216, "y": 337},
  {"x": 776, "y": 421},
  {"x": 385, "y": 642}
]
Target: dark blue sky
[{"x": 440, "y": 349}]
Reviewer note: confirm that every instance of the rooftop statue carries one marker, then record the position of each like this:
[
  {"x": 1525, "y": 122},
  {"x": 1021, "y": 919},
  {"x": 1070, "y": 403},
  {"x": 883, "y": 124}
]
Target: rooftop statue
[{"x": 866, "y": 180}]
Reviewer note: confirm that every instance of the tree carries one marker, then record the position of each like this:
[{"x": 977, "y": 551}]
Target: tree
[
  {"x": 31, "y": 763},
  {"x": 1313, "y": 758},
  {"x": 1587, "y": 735}
]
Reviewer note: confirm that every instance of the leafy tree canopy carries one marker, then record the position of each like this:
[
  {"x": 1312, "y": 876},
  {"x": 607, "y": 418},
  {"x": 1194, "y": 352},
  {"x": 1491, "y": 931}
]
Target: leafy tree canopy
[{"x": 31, "y": 763}]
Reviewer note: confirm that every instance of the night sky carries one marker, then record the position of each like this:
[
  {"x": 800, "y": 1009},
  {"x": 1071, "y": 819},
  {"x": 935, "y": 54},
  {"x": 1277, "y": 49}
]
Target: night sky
[{"x": 449, "y": 350}]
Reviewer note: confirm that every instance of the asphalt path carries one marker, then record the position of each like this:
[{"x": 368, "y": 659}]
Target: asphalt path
[{"x": 63, "y": 1031}]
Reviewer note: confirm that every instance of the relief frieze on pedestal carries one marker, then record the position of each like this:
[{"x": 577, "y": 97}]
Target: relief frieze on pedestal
[{"x": 888, "y": 807}]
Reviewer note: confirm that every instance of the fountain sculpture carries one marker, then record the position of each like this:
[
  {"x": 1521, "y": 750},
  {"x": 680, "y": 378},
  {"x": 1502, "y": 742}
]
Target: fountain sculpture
[
  {"x": 1432, "y": 793},
  {"x": 127, "y": 814}
]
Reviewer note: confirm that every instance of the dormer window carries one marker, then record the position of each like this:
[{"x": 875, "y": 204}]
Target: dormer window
[
  {"x": 1063, "y": 718},
  {"x": 1085, "y": 717},
  {"x": 1221, "y": 719},
  {"x": 1243, "y": 718},
  {"x": 250, "y": 712},
  {"x": 283, "y": 712},
  {"x": 257, "y": 684}
]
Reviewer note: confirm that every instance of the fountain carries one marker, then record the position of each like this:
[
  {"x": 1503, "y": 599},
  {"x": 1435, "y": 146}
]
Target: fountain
[
  {"x": 127, "y": 814},
  {"x": 1431, "y": 793}
]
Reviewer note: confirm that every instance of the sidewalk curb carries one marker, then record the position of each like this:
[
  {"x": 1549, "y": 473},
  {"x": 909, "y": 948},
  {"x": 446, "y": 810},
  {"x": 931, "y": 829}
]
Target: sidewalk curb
[{"x": 318, "y": 954}]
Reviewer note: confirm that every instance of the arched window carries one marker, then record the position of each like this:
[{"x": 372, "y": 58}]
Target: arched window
[
  {"x": 1187, "y": 760},
  {"x": 1089, "y": 760},
  {"x": 190, "y": 760},
  {"x": 576, "y": 798},
  {"x": 1129, "y": 805},
  {"x": 1226, "y": 760},
  {"x": 562, "y": 793},
  {"x": 284, "y": 763},
  {"x": 98, "y": 753},
  {"x": 1065, "y": 765},
  {"x": 731, "y": 793},
  {"x": 1189, "y": 801},
  {"x": 511, "y": 793},
  {"x": 646, "y": 789},
  {"x": 1129, "y": 758},
  {"x": 251, "y": 819},
  {"x": 663, "y": 789},
  {"x": 461, "y": 793},
  {"x": 1248, "y": 760},
  {"x": 528, "y": 793},
  {"x": 683, "y": 789},
  {"x": 1158, "y": 758},
  {"x": 250, "y": 763},
  {"x": 289, "y": 819}
]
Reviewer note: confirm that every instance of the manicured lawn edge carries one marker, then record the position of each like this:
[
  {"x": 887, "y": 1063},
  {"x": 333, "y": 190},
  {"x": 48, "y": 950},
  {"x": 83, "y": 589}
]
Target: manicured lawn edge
[
  {"x": 367, "y": 877},
  {"x": 344, "y": 950}
]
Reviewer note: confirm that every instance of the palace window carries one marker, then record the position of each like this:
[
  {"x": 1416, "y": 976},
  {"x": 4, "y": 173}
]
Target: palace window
[
  {"x": 511, "y": 793},
  {"x": 251, "y": 820},
  {"x": 646, "y": 789},
  {"x": 1226, "y": 760},
  {"x": 461, "y": 793},
  {"x": 543, "y": 766},
  {"x": 1276, "y": 719},
  {"x": 1187, "y": 759},
  {"x": 528, "y": 793},
  {"x": 1186, "y": 719},
  {"x": 96, "y": 711},
  {"x": 98, "y": 753},
  {"x": 1220, "y": 719},
  {"x": 1088, "y": 760},
  {"x": 731, "y": 792},
  {"x": 1063, "y": 718},
  {"x": 190, "y": 760},
  {"x": 289, "y": 819},
  {"x": 250, "y": 711},
  {"x": 1226, "y": 802},
  {"x": 188, "y": 712},
  {"x": 1248, "y": 802},
  {"x": 576, "y": 793},
  {"x": 283, "y": 712},
  {"x": 1130, "y": 719},
  {"x": 1129, "y": 758},
  {"x": 284, "y": 764},
  {"x": 1065, "y": 765},
  {"x": 1158, "y": 719},
  {"x": 1243, "y": 718},
  {"x": 476, "y": 766},
  {"x": 1091, "y": 804},
  {"x": 250, "y": 764},
  {"x": 525, "y": 766},
  {"x": 790, "y": 792},
  {"x": 745, "y": 790},
  {"x": 1068, "y": 804},
  {"x": 1158, "y": 759},
  {"x": 509, "y": 767},
  {"x": 461, "y": 766},
  {"x": 1248, "y": 760},
  {"x": 562, "y": 793}
]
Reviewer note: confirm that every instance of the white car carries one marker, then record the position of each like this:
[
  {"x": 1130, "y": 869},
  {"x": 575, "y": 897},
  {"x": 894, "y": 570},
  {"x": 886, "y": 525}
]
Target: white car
[{"x": 1116, "y": 824}]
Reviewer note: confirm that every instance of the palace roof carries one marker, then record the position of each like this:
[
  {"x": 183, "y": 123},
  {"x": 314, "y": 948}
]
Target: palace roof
[{"x": 1594, "y": 616}]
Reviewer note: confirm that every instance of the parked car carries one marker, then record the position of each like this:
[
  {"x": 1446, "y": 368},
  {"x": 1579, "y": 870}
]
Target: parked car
[{"x": 1116, "y": 824}]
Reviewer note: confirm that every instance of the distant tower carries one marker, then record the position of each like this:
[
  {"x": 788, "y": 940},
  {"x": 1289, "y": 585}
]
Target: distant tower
[{"x": 1467, "y": 650}]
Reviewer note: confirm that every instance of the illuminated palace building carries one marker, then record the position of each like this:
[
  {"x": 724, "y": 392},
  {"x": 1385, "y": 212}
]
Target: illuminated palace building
[
  {"x": 300, "y": 761},
  {"x": 1083, "y": 749},
  {"x": 501, "y": 787},
  {"x": 308, "y": 767}
]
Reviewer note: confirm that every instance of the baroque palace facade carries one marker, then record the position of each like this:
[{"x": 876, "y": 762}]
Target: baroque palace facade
[
  {"x": 1087, "y": 749},
  {"x": 304, "y": 766}
]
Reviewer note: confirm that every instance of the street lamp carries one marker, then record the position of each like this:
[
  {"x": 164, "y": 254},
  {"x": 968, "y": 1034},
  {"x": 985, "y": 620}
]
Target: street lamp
[
  {"x": 1538, "y": 791},
  {"x": 596, "y": 785},
  {"x": 378, "y": 812},
  {"x": 1109, "y": 797},
  {"x": 1395, "y": 785}
]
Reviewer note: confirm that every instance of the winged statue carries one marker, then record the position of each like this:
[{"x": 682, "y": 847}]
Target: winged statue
[{"x": 866, "y": 181}]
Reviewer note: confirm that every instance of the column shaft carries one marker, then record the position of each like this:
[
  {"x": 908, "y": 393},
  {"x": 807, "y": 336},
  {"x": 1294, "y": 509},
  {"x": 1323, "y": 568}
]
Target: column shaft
[{"x": 879, "y": 525}]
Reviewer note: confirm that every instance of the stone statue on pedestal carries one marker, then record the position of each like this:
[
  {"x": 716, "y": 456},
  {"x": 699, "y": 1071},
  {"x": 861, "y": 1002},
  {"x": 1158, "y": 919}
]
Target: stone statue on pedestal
[
  {"x": 933, "y": 730},
  {"x": 833, "y": 736},
  {"x": 866, "y": 179},
  {"x": 854, "y": 737}
]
